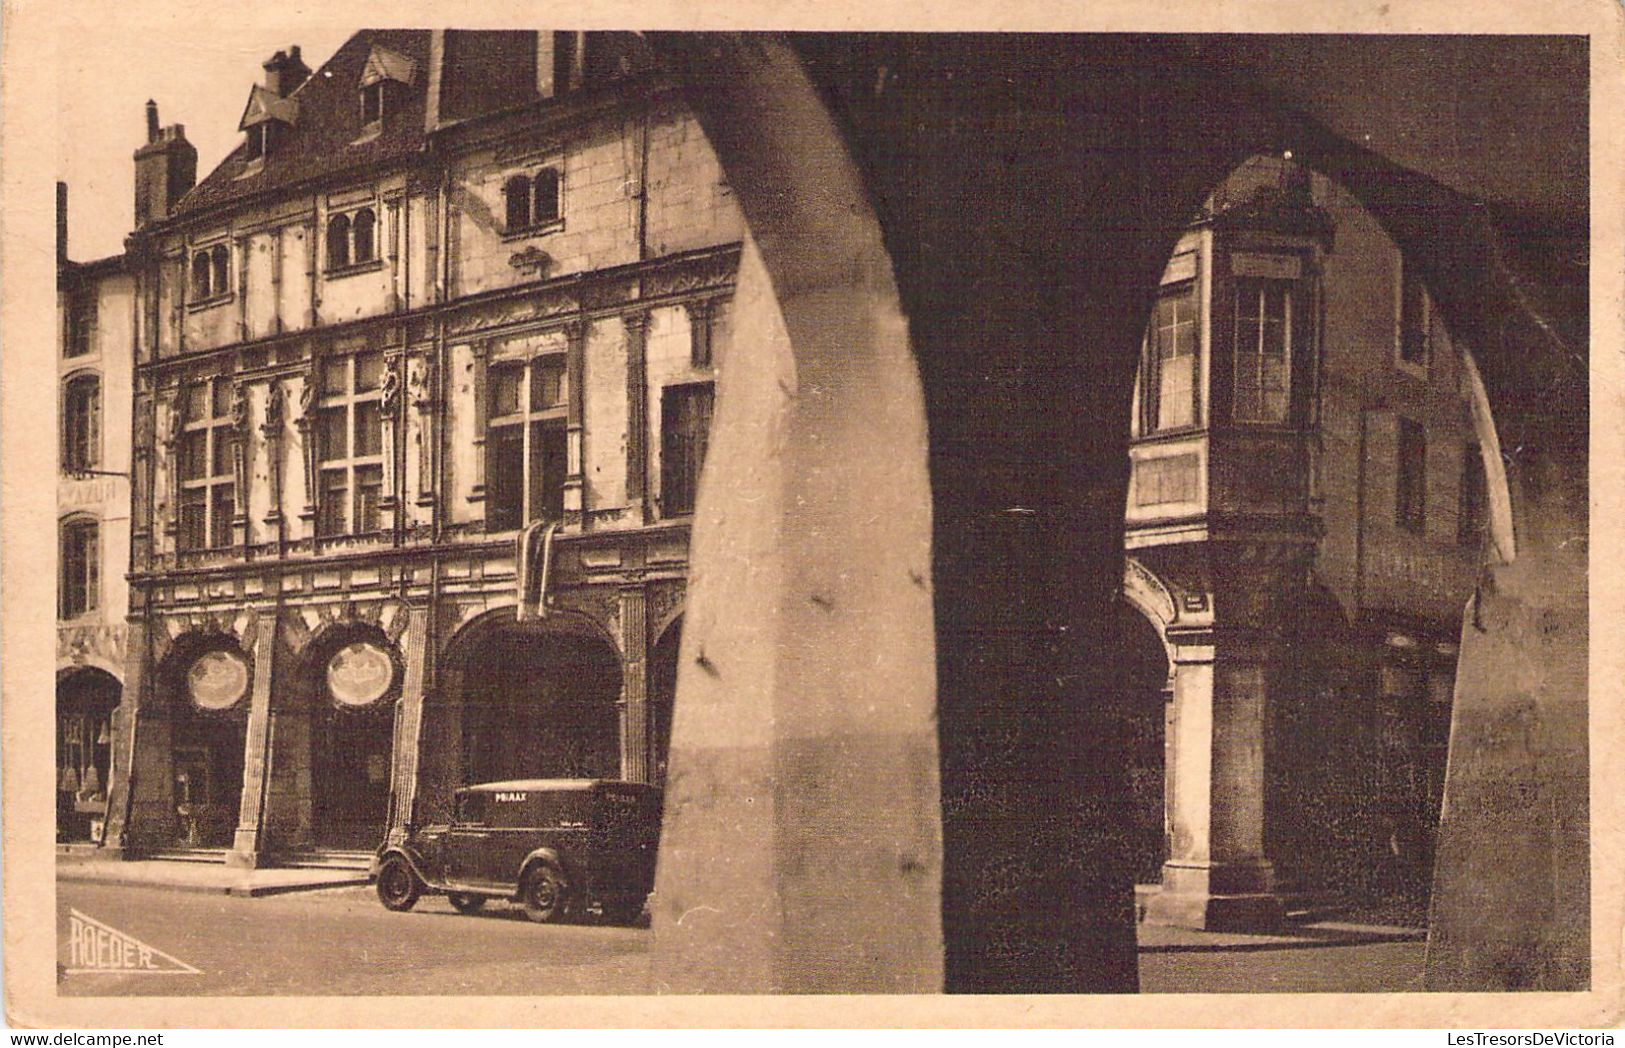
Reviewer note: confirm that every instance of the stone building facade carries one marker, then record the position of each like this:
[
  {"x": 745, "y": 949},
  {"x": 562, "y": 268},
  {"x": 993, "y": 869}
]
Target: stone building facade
[
  {"x": 1305, "y": 522},
  {"x": 95, "y": 307},
  {"x": 423, "y": 381}
]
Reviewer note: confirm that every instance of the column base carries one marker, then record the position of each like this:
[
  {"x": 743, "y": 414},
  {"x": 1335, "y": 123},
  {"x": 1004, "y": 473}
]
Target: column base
[
  {"x": 1214, "y": 897},
  {"x": 245, "y": 852}
]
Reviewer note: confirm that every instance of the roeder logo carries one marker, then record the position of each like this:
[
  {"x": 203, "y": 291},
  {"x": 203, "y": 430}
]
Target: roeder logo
[{"x": 94, "y": 947}]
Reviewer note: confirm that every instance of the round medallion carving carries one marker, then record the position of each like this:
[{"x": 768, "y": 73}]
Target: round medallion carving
[
  {"x": 218, "y": 680},
  {"x": 359, "y": 674}
]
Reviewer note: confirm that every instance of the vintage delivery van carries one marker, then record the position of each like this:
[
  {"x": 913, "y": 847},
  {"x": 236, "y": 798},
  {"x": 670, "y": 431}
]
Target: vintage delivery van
[{"x": 555, "y": 846}]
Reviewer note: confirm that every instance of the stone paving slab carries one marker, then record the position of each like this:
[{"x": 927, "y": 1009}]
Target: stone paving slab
[{"x": 207, "y": 877}]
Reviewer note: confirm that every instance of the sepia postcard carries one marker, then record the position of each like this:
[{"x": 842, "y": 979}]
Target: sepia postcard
[{"x": 896, "y": 516}]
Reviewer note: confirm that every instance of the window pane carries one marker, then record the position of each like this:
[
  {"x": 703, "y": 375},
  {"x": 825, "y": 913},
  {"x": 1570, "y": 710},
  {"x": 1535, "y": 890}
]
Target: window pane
[
  {"x": 685, "y": 421},
  {"x": 369, "y": 489},
  {"x": 546, "y": 385},
  {"x": 81, "y": 436},
  {"x": 505, "y": 390},
  {"x": 330, "y": 508},
  {"x": 330, "y": 433},
  {"x": 547, "y": 468},
  {"x": 197, "y": 401},
  {"x": 220, "y": 399},
  {"x": 220, "y": 460},
  {"x": 361, "y": 230},
  {"x": 517, "y": 192},
  {"x": 1175, "y": 341},
  {"x": 220, "y": 514},
  {"x": 369, "y": 371},
  {"x": 192, "y": 519},
  {"x": 79, "y": 569},
  {"x": 368, "y": 430},
  {"x": 547, "y": 196},
  {"x": 335, "y": 375},
  {"x": 1262, "y": 357},
  {"x": 194, "y": 454},
  {"x": 504, "y": 477}
]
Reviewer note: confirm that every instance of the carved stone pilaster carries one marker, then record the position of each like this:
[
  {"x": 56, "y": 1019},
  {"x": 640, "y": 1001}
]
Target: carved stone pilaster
[
  {"x": 424, "y": 383},
  {"x": 575, "y": 494},
  {"x": 637, "y": 414}
]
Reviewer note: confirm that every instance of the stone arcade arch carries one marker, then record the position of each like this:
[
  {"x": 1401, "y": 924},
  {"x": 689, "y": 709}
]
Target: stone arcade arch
[
  {"x": 342, "y": 694},
  {"x": 86, "y": 697},
  {"x": 1018, "y": 222},
  {"x": 533, "y": 699}
]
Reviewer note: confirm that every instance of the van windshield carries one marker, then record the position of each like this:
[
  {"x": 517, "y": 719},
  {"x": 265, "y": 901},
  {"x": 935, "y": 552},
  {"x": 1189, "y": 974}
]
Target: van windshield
[{"x": 471, "y": 808}]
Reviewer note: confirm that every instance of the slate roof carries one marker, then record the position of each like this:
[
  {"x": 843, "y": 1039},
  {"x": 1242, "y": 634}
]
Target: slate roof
[{"x": 323, "y": 141}]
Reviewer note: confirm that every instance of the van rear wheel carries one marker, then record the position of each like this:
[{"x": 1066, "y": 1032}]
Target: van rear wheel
[{"x": 544, "y": 893}]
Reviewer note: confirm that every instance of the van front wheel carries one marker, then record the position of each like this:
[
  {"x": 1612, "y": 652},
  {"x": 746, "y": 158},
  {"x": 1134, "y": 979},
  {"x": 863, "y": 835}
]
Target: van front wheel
[
  {"x": 544, "y": 893},
  {"x": 398, "y": 887}
]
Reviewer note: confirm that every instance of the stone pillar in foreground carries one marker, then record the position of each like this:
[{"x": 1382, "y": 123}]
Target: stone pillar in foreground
[
  {"x": 1511, "y": 884},
  {"x": 250, "y": 844},
  {"x": 801, "y": 851},
  {"x": 1217, "y": 876}
]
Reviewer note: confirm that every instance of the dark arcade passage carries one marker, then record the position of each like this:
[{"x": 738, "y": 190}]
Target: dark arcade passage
[{"x": 1029, "y": 190}]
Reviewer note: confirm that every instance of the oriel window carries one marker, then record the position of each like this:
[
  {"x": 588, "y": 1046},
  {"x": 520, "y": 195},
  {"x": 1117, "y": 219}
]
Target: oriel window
[
  {"x": 526, "y": 445},
  {"x": 1263, "y": 349},
  {"x": 1171, "y": 382},
  {"x": 685, "y": 427},
  {"x": 207, "y": 481},
  {"x": 349, "y": 435}
]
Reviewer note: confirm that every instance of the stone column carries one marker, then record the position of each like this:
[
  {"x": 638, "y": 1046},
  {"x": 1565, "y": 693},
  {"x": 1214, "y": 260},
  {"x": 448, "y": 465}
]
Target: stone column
[
  {"x": 249, "y": 846},
  {"x": 409, "y": 721},
  {"x": 801, "y": 850},
  {"x": 131, "y": 815},
  {"x": 1217, "y": 876},
  {"x": 635, "y": 757}
]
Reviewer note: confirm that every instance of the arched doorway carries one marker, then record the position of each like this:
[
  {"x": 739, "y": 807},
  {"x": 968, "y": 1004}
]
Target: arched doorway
[
  {"x": 85, "y": 700},
  {"x": 522, "y": 700},
  {"x": 662, "y": 696},
  {"x": 207, "y": 680},
  {"x": 350, "y": 677}
]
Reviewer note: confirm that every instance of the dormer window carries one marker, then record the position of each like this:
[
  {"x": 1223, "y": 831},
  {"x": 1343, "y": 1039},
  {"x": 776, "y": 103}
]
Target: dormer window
[
  {"x": 259, "y": 141},
  {"x": 372, "y": 103},
  {"x": 384, "y": 79},
  {"x": 532, "y": 202},
  {"x": 264, "y": 119}
]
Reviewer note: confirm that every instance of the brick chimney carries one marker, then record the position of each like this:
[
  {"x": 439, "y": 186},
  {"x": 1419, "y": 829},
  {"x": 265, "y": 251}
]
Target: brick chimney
[
  {"x": 165, "y": 168},
  {"x": 285, "y": 71}
]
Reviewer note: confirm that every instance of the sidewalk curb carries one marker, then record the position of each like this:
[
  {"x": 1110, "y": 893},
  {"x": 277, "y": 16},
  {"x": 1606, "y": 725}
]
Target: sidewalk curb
[{"x": 242, "y": 889}]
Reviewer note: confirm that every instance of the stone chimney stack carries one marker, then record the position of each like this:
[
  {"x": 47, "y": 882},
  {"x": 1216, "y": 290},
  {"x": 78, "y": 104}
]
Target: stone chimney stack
[
  {"x": 165, "y": 168},
  {"x": 285, "y": 71}
]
